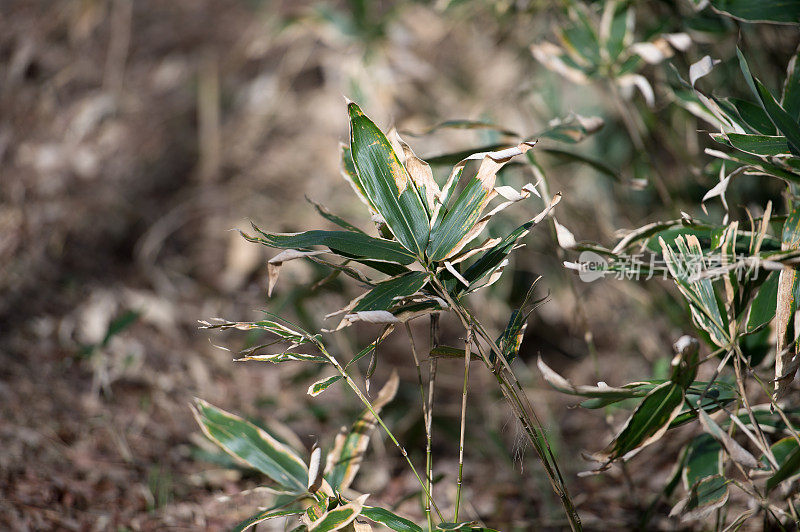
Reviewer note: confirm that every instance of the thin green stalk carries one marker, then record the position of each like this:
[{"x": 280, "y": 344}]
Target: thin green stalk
[
  {"x": 467, "y": 344},
  {"x": 433, "y": 364},
  {"x": 425, "y": 415},
  {"x": 510, "y": 386},
  {"x": 378, "y": 418}
]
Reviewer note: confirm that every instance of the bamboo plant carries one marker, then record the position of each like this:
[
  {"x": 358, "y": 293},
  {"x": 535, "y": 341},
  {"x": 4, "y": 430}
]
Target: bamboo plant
[{"x": 425, "y": 259}]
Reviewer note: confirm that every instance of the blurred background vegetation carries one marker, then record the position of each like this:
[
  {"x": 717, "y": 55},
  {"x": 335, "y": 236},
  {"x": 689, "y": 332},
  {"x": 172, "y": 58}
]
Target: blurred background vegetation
[{"x": 134, "y": 135}]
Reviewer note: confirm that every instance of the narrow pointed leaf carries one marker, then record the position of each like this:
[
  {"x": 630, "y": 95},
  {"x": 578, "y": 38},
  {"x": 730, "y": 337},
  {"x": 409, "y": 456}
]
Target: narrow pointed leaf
[
  {"x": 782, "y": 120},
  {"x": 703, "y": 460},
  {"x": 789, "y": 463},
  {"x": 649, "y": 421},
  {"x": 776, "y": 11},
  {"x": 759, "y": 144},
  {"x": 252, "y": 446},
  {"x": 386, "y": 294},
  {"x": 323, "y": 384},
  {"x": 386, "y": 183},
  {"x": 705, "y": 497},
  {"x": 390, "y": 520},
  {"x": 683, "y": 264},
  {"x": 738, "y": 453},
  {"x": 448, "y": 236},
  {"x": 346, "y": 243},
  {"x": 762, "y": 310}
]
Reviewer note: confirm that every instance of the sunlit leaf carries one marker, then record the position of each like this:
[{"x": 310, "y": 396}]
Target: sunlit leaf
[
  {"x": 386, "y": 183},
  {"x": 448, "y": 236},
  {"x": 684, "y": 264},
  {"x": 346, "y": 243},
  {"x": 252, "y": 446}
]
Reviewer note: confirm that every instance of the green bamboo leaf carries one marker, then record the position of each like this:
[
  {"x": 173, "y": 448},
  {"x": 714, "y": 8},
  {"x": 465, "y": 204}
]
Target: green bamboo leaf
[
  {"x": 571, "y": 130},
  {"x": 387, "y": 184},
  {"x": 492, "y": 258},
  {"x": 451, "y": 232},
  {"x": 263, "y": 516},
  {"x": 649, "y": 421},
  {"x": 790, "y": 99},
  {"x": 619, "y": 32},
  {"x": 252, "y": 445},
  {"x": 703, "y": 460},
  {"x": 295, "y": 335},
  {"x": 758, "y": 144},
  {"x": 390, "y": 520},
  {"x": 338, "y": 220},
  {"x": 788, "y": 468},
  {"x": 385, "y": 294},
  {"x": 781, "y": 450},
  {"x": 762, "y": 310},
  {"x": 753, "y": 116},
  {"x": 339, "y": 517},
  {"x": 684, "y": 264},
  {"x": 705, "y": 496},
  {"x": 323, "y": 384},
  {"x": 782, "y": 120},
  {"x": 600, "y": 392},
  {"x": 346, "y": 243},
  {"x": 345, "y": 458},
  {"x": 773, "y": 11}
]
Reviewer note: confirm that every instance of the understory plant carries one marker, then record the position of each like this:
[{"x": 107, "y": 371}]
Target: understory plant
[
  {"x": 427, "y": 256},
  {"x": 739, "y": 281}
]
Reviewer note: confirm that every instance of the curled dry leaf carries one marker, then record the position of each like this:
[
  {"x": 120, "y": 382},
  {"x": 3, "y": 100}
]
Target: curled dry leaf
[
  {"x": 314, "y": 469},
  {"x": 373, "y": 316},
  {"x": 275, "y": 263},
  {"x": 565, "y": 237},
  {"x": 629, "y": 81},
  {"x": 701, "y": 68}
]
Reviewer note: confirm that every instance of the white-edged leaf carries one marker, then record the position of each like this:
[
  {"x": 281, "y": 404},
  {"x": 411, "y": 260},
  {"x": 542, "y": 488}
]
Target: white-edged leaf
[{"x": 322, "y": 385}]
